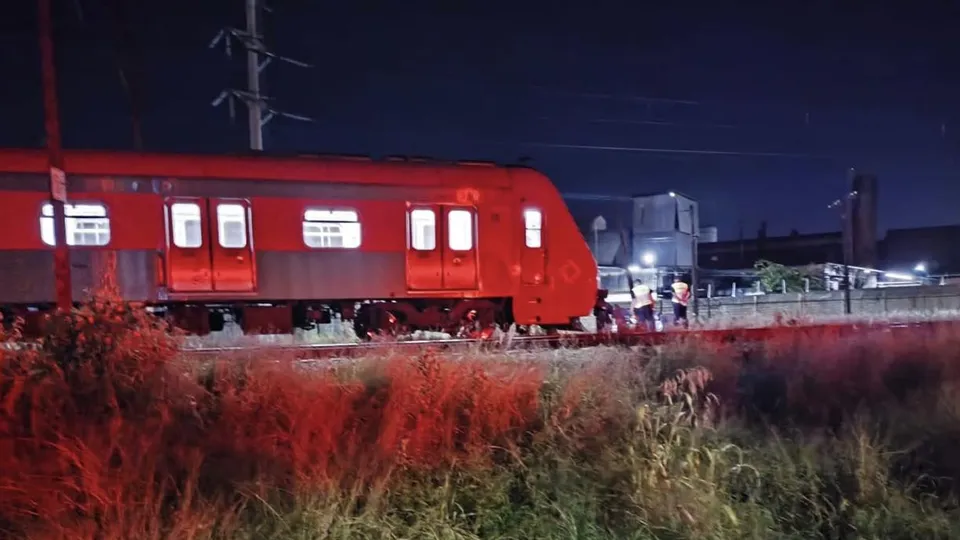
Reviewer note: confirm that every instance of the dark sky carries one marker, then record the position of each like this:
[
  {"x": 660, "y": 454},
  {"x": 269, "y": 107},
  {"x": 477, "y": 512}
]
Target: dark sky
[{"x": 818, "y": 86}]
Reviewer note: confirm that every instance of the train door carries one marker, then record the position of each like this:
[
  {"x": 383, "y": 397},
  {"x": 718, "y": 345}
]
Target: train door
[
  {"x": 232, "y": 248},
  {"x": 441, "y": 247},
  {"x": 533, "y": 257},
  {"x": 209, "y": 245},
  {"x": 460, "y": 248}
]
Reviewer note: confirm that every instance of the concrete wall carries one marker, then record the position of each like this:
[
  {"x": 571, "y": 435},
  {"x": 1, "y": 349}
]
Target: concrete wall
[{"x": 865, "y": 303}]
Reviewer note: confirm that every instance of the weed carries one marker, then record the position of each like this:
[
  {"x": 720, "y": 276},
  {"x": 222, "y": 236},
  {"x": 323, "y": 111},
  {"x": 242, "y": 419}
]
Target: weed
[{"x": 106, "y": 433}]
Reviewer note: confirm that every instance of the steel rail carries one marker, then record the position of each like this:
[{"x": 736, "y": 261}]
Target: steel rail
[{"x": 579, "y": 340}]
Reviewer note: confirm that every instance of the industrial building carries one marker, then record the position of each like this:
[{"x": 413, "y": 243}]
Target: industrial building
[
  {"x": 653, "y": 235},
  {"x": 660, "y": 234}
]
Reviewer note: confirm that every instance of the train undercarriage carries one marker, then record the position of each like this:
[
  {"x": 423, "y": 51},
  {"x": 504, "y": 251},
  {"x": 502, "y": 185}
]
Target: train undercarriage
[{"x": 368, "y": 319}]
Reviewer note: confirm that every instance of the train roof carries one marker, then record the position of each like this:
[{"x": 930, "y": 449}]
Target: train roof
[{"x": 303, "y": 168}]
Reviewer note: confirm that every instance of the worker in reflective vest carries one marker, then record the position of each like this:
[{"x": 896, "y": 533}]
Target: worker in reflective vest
[
  {"x": 681, "y": 296},
  {"x": 643, "y": 306}
]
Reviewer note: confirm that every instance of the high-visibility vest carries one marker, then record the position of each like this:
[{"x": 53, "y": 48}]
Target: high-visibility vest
[
  {"x": 642, "y": 296},
  {"x": 681, "y": 293}
]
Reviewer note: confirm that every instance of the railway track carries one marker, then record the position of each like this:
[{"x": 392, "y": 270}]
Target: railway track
[{"x": 576, "y": 340}]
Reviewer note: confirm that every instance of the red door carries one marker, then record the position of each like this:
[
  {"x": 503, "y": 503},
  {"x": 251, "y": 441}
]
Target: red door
[
  {"x": 188, "y": 246},
  {"x": 424, "y": 255},
  {"x": 232, "y": 248},
  {"x": 460, "y": 248},
  {"x": 441, "y": 247},
  {"x": 533, "y": 256},
  {"x": 209, "y": 245}
]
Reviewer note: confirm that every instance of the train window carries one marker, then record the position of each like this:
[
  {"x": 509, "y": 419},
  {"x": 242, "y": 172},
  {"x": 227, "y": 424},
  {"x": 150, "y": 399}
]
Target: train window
[
  {"x": 327, "y": 228},
  {"x": 533, "y": 228},
  {"x": 460, "y": 230},
  {"x": 186, "y": 225},
  {"x": 87, "y": 224},
  {"x": 232, "y": 225},
  {"x": 423, "y": 229}
]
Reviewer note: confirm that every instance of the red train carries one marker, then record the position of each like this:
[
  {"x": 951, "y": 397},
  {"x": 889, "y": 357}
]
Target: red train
[{"x": 278, "y": 243}]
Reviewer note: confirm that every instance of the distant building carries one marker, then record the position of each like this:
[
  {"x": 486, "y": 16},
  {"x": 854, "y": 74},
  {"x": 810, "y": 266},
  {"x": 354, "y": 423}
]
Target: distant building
[
  {"x": 856, "y": 243},
  {"x": 708, "y": 235},
  {"x": 664, "y": 227},
  {"x": 863, "y": 224},
  {"x": 625, "y": 231},
  {"x": 792, "y": 250},
  {"x": 936, "y": 248}
]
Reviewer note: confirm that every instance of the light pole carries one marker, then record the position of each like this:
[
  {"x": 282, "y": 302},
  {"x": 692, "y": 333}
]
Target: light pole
[
  {"x": 694, "y": 263},
  {"x": 694, "y": 255}
]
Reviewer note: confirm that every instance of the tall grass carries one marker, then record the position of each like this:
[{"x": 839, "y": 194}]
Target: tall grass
[{"x": 107, "y": 433}]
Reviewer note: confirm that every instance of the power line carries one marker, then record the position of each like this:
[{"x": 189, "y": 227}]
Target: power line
[
  {"x": 607, "y": 96},
  {"x": 685, "y": 151},
  {"x": 627, "y": 121},
  {"x": 796, "y": 114}
]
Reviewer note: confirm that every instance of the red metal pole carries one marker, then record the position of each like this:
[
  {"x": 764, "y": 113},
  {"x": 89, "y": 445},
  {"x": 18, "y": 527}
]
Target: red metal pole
[{"x": 58, "y": 190}]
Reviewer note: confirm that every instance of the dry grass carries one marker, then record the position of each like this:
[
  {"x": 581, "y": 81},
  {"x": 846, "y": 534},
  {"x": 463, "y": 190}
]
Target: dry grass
[
  {"x": 722, "y": 321},
  {"x": 107, "y": 434}
]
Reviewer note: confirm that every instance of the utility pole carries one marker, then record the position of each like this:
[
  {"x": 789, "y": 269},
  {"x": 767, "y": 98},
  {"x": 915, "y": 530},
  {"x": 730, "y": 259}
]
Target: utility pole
[
  {"x": 847, "y": 255},
  {"x": 259, "y": 110},
  {"x": 845, "y": 204},
  {"x": 694, "y": 264},
  {"x": 58, "y": 179},
  {"x": 254, "y": 114}
]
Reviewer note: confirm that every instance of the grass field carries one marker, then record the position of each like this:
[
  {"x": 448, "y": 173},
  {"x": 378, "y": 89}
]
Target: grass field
[{"x": 107, "y": 433}]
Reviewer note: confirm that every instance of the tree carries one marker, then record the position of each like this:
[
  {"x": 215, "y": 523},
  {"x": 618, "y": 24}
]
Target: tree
[{"x": 773, "y": 276}]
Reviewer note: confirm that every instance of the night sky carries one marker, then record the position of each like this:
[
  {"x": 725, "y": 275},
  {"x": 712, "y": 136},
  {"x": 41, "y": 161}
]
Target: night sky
[{"x": 756, "y": 111}]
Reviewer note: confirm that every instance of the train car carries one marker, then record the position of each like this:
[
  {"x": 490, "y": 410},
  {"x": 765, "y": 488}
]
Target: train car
[{"x": 280, "y": 243}]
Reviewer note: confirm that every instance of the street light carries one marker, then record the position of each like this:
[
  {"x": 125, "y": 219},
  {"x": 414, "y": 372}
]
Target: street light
[
  {"x": 649, "y": 258},
  {"x": 920, "y": 268}
]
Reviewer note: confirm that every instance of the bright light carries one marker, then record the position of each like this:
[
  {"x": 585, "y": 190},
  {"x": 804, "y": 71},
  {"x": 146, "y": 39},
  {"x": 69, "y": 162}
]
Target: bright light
[
  {"x": 633, "y": 269},
  {"x": 649, "y": 258},
  {"x": 920, "y": 267},
  {"x": 672, "y": 194},
  {"x": 898, "y": 275}
]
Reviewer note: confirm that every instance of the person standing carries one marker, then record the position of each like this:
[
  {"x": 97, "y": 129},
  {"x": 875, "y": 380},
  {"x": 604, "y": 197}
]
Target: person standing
[
  {"x": 681, "y": 297},
  {"x": 643, "y": 306}
]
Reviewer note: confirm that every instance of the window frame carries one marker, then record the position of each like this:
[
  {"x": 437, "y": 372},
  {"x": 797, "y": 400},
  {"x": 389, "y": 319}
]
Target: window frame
[
  {"x": 173, "y": 227},
  {"x": 42, "y": 218},
  {"x": 341, "y": 223},
  {"x": 527, "y": 228},
  {"x": 436, "y": 230},
  {"x": 471, "y": 220},
  {"x": 244, "y": 218}
]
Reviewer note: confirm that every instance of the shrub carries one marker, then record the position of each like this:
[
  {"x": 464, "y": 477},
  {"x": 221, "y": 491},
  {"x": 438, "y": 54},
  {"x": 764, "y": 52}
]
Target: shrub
[{"x": 107, "y": 433}]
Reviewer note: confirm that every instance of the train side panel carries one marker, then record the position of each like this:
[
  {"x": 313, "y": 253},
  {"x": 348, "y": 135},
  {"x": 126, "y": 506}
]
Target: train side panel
[
  {"x": 558, "y": 272},
  {"x": 287, "y": 269},
  {"x": 541, "y": 265},
  {"x": 26, "y": 261}
]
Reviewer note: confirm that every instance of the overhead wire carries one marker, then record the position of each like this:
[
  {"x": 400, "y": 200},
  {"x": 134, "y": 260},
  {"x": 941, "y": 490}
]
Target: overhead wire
[{"x": 687, "y": 151}]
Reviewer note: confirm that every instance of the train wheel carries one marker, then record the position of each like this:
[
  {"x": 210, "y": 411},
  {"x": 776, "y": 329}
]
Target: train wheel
[
  {"x": 373, "y": 321},
  {"x": 480, "y": 323}
]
